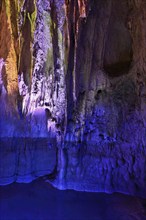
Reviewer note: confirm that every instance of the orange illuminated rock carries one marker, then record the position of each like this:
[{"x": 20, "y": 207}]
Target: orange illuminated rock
[{"x": 9, "y": 48}]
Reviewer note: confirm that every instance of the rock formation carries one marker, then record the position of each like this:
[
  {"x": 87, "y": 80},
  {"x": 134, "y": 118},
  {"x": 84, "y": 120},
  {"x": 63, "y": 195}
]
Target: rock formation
[{"x": 73, "y": 93}]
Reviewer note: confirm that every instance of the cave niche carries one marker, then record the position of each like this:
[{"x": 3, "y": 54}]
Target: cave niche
[{"x": 118, "y": 44}]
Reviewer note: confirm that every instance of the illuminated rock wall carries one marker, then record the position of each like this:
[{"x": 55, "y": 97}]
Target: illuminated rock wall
[
  {"x": 80, "y": 74},
  {"x": 32, "y": 88}
]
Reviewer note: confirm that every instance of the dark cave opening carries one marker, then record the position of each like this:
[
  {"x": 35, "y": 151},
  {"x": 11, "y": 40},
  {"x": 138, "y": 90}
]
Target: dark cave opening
[{"x": 118, "y": 53}]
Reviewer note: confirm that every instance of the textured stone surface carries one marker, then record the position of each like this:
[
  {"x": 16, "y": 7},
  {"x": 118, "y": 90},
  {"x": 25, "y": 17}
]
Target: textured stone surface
[
  {"x": 78, "y": 78},
  {"x": 24, "y": 159}
]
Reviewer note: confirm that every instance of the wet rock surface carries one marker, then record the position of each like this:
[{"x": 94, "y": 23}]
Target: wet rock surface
[{"x": 25, "y": 159}]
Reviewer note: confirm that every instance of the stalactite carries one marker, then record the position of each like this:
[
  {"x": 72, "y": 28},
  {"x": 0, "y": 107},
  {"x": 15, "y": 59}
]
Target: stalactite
[
  {"x": 27, "y": 35},
  {"x": 9, "y": 49},
  {"x": 136, "y": 24},
  {"x": 70, "y": 11},
  {"x": 82, "y": 8}
]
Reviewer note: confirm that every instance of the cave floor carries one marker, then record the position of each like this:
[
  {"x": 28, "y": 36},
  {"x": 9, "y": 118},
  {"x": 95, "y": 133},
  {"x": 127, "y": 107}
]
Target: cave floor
[{"x": 40, "y": 201}]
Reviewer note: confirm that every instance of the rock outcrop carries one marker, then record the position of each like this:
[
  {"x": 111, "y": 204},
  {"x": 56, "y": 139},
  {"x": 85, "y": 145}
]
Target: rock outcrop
[{"x": 74, "y": 73}]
